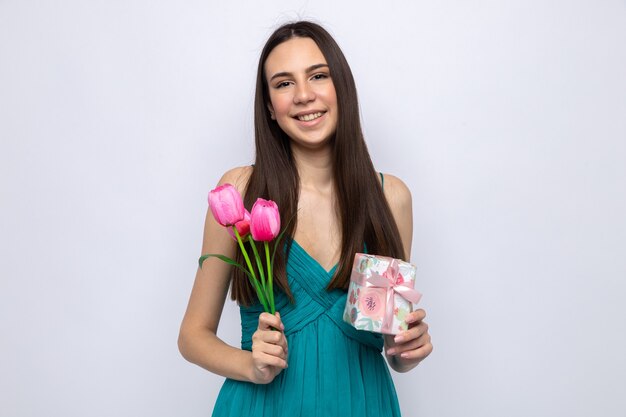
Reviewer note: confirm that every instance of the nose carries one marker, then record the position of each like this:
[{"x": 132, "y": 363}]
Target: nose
[{"x": 304, "y": 93}]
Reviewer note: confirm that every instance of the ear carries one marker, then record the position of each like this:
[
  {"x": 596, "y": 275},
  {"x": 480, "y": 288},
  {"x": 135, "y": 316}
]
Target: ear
[{"x": 271, "y": 109}]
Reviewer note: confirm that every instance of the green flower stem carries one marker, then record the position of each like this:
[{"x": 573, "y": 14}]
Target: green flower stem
[
  {"x": 255, "y": 281},
  {"x": 259, "y": 265},
  {"x": 269, "y": 277}
]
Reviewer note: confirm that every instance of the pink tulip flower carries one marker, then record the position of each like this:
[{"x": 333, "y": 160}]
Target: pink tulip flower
[
  {"x": 226, "y": 205},
  {"x": 264, "y": 220},
  {"x": 243, "y": 226}
]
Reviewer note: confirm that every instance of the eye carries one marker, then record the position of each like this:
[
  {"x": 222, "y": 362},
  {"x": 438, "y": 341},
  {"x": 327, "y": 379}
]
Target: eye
[
  {"x": 282, "y": 84},
  {"x": 320, "y": 76}
]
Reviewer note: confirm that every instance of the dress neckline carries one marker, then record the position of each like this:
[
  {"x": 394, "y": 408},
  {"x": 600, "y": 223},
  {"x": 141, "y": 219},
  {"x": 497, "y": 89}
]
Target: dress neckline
[{"x": 331, "y": 271}]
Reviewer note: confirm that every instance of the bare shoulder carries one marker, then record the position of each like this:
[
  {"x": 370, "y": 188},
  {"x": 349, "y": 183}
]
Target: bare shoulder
[
  {"x": 238, "y": 177},
  {"x": 397, "y": 193},
  {"x": 399, "y": 198}
]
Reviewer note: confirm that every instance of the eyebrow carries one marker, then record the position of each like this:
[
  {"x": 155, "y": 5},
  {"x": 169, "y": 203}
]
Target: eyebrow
[{"x": 309, "y": 69}]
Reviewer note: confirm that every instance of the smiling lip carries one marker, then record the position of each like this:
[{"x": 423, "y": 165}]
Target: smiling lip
[{"x": 309, "y": 116}]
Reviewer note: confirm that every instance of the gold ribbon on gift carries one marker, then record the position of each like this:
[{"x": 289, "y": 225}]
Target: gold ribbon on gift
[{"x": 393, "y": 281}]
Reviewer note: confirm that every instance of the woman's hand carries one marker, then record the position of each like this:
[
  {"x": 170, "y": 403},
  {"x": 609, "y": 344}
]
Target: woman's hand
[
  {"x": 269, "y": 349},
  {"x": 411, "y": 346}
]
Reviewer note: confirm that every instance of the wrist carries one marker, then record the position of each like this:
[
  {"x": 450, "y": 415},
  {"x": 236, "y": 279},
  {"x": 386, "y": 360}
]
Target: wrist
[{"x": 249, "y": 373}]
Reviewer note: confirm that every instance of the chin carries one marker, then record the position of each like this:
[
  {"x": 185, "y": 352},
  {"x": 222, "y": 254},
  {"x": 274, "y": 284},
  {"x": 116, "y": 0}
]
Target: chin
[{"x": 313, "y": 143}]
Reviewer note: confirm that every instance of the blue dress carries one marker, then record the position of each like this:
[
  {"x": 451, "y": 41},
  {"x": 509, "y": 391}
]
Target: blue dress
[{"x": 334, "y": 369}]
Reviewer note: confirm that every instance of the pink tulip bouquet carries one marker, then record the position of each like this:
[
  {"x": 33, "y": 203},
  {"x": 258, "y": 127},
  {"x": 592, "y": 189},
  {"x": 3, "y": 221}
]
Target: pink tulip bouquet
[{"x": 262, "y": 224}]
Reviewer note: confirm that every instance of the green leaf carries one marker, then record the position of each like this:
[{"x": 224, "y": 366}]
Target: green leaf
[
  {"x": 225, "y": 259},
  {"x": 252, "y": 278}
]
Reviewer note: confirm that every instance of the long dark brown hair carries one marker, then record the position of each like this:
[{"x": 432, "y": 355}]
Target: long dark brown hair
[{"x": 362, "y": 209}]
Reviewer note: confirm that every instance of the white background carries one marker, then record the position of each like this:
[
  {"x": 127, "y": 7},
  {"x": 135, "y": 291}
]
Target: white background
[{"x": 507, "y": 120}]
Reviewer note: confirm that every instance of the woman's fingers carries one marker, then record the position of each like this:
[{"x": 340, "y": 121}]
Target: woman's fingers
[
  {"x": 269, "y": 360},
  {"x": 270, "y": 349},
  {"x": 413, "y": 338},
  {"x": 273, "y": 337},
  {"x": 419, "y": 353},
  {"x": 269, "y": 340},
  {"x": 268, "y": 321},
  {"x": 414, "y": 331},
  {"x": 416, "y": 316},
  {"x": 269, "y": 336},
  {"x": 410, "y": 345}
]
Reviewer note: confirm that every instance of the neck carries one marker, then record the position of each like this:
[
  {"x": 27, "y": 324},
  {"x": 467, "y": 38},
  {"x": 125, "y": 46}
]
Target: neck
[{"x": 314, "y": 167}]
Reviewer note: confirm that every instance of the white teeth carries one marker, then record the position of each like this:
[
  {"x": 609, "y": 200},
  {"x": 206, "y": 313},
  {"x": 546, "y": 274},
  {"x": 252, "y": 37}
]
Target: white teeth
[{"x": 309, "y": 117}]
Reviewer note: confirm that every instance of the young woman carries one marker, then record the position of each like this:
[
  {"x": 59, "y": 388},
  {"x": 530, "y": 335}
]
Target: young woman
[{"x": 312, "y": 160}]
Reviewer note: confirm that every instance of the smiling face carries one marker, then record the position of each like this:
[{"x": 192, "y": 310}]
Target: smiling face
[{"x": 302, "y": 95}]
